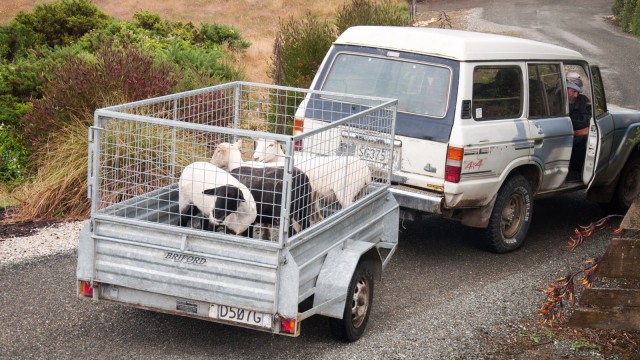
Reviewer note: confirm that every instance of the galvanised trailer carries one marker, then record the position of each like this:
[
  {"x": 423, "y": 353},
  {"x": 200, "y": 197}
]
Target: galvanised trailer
[{"x": 137, "y": 250}]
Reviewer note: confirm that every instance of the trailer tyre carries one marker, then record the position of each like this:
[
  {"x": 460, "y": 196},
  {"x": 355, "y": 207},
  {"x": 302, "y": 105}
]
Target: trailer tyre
[
  {"x": 357, "y": 306},
  {"x": 511, "y": 216}
]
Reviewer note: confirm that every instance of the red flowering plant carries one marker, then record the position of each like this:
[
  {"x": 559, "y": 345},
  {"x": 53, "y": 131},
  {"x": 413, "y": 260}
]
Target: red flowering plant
[{"x": 560, "y": 294}]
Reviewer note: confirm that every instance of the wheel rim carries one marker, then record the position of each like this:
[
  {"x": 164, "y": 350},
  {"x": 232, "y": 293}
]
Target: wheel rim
[
  {"x": 360, "y": 302},
  {"x": 513, "y": 215},
  {"x": 631, "y": 186}
]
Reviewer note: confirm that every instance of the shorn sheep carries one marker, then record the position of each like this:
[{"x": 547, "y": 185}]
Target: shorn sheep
[
  {"x": 333, "y": 178},
  {"x": 232, "y": 204},
  {"x": 265, "y": 183}
]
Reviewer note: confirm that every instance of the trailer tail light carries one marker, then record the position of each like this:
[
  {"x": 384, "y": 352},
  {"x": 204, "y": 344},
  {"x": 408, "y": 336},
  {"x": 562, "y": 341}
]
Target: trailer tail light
[
  {"x": 454, "y": 164},
  {"x": 288, "y": 325},
  {"x": 298, "y": 127},
  {"x": 86, "y": 289}
]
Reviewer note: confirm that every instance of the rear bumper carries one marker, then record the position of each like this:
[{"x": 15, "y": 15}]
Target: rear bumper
[{"x": 416, "y": 199}]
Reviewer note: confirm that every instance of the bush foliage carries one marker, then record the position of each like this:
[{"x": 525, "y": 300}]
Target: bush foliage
[
  {"x": 368, "y": 12},
  {"x": 300, "y": 45},
  {"x": 66, "y": 58},
  {"x": 63, "y": 22},
  {"x": 628, "y": 14},
  {"x": 81, "y": 85}
]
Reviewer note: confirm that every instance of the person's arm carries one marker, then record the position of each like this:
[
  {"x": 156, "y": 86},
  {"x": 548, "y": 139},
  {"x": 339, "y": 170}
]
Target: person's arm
[{"x": 581, "y": 132}]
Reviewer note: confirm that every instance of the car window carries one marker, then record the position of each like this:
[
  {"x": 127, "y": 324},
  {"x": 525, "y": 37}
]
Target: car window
[
  {"x": 598, "y": 90},
  {"x": 420, "y": 88},
  {"x": 497, "y": 92},
  {"x": 546, "y": 98}
]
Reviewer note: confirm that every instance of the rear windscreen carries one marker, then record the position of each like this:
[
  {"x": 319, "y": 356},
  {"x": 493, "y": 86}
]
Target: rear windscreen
[
  {"x": 421, "y": 89},
  {"x": 424, "y": 85}
]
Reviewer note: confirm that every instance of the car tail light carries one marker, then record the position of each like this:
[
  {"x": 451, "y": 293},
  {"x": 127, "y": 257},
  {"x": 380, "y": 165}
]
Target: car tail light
[
  {"x": 298, "y": 125},
  {"x": 86, "y": 289},
  {"x": 454, "y": 164},
  {"x": 288, "y": 325}
]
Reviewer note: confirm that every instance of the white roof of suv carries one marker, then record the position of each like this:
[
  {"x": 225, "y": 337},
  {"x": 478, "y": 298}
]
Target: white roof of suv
[{"x": 454, "y": 44}]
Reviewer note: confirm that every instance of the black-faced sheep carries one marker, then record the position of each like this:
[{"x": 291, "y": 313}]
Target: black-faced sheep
[
  {"x": 266, "y": 186},
  {"x": 232, "y": 204}
]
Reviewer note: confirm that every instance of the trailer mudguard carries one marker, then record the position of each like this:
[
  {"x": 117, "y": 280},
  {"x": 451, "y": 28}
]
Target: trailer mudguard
[{"x": 336, "y": 273}]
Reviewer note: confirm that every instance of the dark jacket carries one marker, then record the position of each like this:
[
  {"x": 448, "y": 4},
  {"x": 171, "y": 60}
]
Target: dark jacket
[{"x": 580, "y": 112}]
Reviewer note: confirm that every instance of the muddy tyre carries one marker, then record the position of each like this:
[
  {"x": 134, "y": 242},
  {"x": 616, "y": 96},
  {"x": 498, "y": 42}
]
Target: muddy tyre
[
  {"x": 627, "y": 189},
  {"x": 357, "y": 306},
  {"x": 511, "y": 216}
]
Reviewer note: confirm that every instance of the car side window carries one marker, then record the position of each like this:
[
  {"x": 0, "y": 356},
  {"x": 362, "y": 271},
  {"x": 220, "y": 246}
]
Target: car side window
[
  {"x": 546, "y": 98},
  {"x": 497, "y": 92},
  {"x": 598, "y": 91}
]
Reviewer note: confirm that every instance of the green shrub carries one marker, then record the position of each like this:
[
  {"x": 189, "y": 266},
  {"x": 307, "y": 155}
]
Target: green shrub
[
  {"x": 15, "y": 40},
  {"x": 13, "y": 156},
  {"x": 626, "y": 17},
  {"x": 23, "y": 78},
  {"x": 221, "y": 35},
  {"x": 13, "y": 153},
  {"x": 371, "y": 12},
  {"x": 635, "y": 20},
  {"x": 165, "y": 28},
  {"x": 62, "y": 22},
  {"x": 299, "y": 48},
  {"x": 617, "y": 7}
]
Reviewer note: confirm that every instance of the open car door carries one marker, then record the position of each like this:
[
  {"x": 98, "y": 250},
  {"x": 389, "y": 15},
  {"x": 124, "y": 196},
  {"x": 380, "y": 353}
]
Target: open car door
[{"x": 600, "y": 133}]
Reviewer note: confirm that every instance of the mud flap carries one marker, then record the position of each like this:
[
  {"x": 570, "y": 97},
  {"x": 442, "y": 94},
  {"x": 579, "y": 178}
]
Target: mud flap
[{"x": 479, "y": 217}]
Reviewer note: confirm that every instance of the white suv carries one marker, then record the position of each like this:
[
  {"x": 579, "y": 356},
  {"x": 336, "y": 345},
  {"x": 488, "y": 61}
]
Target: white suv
[{"x": 483, "y": 124}]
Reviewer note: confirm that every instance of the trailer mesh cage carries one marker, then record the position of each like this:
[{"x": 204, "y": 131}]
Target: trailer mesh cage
[{"x": 189, "y": 160}]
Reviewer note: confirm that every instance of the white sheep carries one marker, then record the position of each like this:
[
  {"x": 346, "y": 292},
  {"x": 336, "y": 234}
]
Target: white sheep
[
  {"x": 231, "y": 205},
  {"x": 227, "y": 155},
  {"x": 333, "y": 178}
]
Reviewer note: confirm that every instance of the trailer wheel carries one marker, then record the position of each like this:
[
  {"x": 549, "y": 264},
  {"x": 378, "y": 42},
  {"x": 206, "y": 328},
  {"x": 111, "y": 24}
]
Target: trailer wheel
[
  {"x": 628, "y": 187},
  {"x": 511, "y": 216},
  {"x": 357, "y": 306}
]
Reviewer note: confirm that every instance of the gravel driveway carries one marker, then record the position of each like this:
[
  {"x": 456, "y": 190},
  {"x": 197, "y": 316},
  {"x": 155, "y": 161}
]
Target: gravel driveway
[{"x": 440, "y": 298}]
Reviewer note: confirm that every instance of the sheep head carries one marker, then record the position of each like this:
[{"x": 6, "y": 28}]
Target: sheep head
[
  {"x": 267, "y": 151},
  {"x": 226, "y": 154}
]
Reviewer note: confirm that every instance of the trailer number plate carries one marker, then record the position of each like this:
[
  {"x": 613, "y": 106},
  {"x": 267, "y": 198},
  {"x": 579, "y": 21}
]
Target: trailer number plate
[{"x": 242, "y": 316}]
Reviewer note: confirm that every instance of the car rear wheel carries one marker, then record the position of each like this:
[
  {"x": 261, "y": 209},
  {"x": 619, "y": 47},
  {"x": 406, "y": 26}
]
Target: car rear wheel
[
  {"x": 628, "y": 187},
  {"x": 511, "y": 215}
]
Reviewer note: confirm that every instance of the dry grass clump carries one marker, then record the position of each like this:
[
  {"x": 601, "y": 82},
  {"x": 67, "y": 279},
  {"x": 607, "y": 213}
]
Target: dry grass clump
[{"x": 60, "y": 182}]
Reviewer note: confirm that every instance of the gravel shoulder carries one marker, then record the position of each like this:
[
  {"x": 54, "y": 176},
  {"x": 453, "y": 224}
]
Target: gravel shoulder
[{"x": 33, "y": 240}]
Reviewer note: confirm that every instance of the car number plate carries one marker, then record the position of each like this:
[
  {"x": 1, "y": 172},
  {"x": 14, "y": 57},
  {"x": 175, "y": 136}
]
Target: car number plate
[
  {"x": 242, "y": 316},
  {"x": 375, "y": 154}
]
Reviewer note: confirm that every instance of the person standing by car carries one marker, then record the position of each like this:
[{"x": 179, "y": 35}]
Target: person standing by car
[{"x": 580, "y": 113}]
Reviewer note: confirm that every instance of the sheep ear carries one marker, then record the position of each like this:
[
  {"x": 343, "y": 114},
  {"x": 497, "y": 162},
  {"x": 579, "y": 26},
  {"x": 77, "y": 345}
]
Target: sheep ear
[
  {"x": 240, "y": 195},
  {"x": 209, "y": 191},
  {"x": 238, "y": 143}
]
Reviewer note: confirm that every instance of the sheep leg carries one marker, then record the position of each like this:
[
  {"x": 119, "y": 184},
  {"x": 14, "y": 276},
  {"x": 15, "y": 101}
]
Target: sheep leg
[
  {"x": 265, "y": 233},
  {"x": 187, "y": 214},
  {"x": 316, "y": 215},
  {"x": 249, "y": 232}
]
